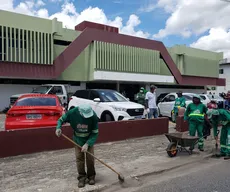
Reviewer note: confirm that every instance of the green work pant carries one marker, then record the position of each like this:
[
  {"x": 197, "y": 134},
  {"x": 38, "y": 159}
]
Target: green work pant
[
  {"x": 225, "y": 140},
  {"x": 197, "y": 126}
]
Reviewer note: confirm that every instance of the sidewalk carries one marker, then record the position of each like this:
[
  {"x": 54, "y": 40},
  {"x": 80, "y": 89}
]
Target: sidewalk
[{"x": 56, "y": 171}]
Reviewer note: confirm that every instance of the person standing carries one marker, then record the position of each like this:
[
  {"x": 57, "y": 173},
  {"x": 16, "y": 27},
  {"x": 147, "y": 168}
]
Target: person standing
[
  {"x": 150, "y": 103},
  {"x": 195, "y": 114},
  {"x": 221, "y": 117},
  {"x": 141, "y": 96},
  {"x": 179, "y": 102},
  {"x": 84, "y": 123},
  {"x": 227, "y": 101}
]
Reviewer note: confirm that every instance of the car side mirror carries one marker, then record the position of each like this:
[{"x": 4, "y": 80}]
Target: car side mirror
[
  {"x": 160, "y": 100},
  {"x": 97, "y": 100},
  {"x": 128, "y": 99}
]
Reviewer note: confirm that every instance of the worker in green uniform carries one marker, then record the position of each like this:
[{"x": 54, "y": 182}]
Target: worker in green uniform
[
  {"x": 195, "y": 114},
  {"x": 221, "y": 117},
  {"x": 141, "y": 96},
  {"x": 84, "y": 123},
  {"x": 179, "y": 102}
]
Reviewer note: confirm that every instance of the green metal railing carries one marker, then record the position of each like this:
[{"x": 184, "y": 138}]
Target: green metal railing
[{"x": 19, "y": 45}]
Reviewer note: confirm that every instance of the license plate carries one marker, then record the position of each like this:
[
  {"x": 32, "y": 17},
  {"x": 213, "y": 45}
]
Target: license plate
[
  {"x": 33, "y": 116},
  {"x": 138, "y": 117}
]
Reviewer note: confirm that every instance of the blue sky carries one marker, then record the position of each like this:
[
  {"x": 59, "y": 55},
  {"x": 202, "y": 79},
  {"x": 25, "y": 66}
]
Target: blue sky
[{"x": 200, "y": 24}]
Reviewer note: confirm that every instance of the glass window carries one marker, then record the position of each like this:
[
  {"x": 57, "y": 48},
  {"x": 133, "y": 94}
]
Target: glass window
[
  {"x": 84, "y": 94},
  {"x": 111, "y": 96},
  {"x": 203, "y": 97},
  {"x": 166, "y": 99},
  {"x": 36, "y": 101},
  {"x": 93, "y": 95},
  {"x": 214, "y": 97},
  {"x": 57, "y": 90},
  {"x": 221, "y": 71},
  {"x": 41, "y": 89},
  {"x": 171, "y": 98}
]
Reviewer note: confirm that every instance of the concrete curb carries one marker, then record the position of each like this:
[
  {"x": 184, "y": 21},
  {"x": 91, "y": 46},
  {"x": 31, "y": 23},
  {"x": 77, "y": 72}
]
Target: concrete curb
[{"x": 137, "y": 176}]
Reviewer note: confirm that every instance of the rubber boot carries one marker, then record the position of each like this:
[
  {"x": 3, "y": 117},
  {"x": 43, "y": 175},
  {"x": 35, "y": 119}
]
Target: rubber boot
[
  {"x": 91, "y": 181},
  {"x": 81, "y": 183}
]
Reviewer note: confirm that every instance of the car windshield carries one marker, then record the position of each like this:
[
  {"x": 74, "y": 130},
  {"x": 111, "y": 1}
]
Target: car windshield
[
  {"x": 189, "y": 97},
  {"x": 214, "y": 97},
  {"x": 112, "y": 96},
  {"x": 36, "y": 101},
  {"x": 41, "y": 89}
]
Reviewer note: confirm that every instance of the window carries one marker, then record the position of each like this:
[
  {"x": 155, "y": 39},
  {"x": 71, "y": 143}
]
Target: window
[
  {"x": 221, "y": 71},
  {"x": 111, "y": 96},
  {"x": 172, "y": 98},
  {"x": 166, "y": 99},
  {"x": 61, "y": 42},
  {"x": 203, "y": 97},
  {"x": 36, "y": 101},
  {"x": 41, "y": 89},
  {"x": 93, "y": 95},
  {"x": 58, "y": 90},
  {"x": 187, "y": 97},
  {"x": 84, "y": 94}
]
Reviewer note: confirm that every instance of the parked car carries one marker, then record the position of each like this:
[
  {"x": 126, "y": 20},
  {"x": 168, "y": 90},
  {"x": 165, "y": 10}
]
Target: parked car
[
  {"x": 34, "y": 111},
  {"x": 161, "y": 96},
  {"x": 109, "y": 105},
  {"x": 166, "y": 105},
  {"x": 219, "y": 100},
  {"x": 60, "y": 90}
]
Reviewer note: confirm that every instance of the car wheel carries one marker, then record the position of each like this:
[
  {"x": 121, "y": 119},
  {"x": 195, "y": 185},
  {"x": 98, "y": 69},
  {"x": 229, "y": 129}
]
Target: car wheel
[
  {"x": 106, "y": 117},
  {"x": 173, "y": 117}
]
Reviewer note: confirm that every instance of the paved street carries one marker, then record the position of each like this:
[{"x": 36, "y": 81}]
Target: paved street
[
  {"x": 206, "y": 176},
  {"x": 55, "y": 171}
]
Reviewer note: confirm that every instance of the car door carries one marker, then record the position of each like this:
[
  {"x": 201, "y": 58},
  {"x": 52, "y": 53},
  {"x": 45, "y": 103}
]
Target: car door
[
  {"x": 163, "y": 106},
  {"x": 59, "y": 92},
  {"x": 170, "y": 104}
]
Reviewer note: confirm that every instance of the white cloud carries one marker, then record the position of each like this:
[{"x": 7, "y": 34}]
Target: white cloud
[
  {"x": 218, "y": 40},
  {"x": 194, "y": 17},
  {"x": 197, "y": 17},
  {"x": 70, "y": 17}
]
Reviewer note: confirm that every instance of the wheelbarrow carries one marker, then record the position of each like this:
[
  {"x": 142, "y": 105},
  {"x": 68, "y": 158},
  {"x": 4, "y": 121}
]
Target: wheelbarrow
[{"x": 179, "y": 142}]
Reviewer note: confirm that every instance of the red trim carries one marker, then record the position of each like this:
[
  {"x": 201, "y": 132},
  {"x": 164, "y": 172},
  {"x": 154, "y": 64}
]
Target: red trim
[{"x": 82, "y": 41}]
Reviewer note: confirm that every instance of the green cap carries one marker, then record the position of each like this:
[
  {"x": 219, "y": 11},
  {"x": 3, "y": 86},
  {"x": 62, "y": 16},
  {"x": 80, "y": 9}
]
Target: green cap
[
  {"x": 85, "y": 110},
  {"x": 197, "y": 96}
]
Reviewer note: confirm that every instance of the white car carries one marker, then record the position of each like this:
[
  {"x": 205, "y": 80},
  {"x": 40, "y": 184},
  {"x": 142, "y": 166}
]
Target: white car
[
  {"x": 166, "y": 105},
  {"x": 109, "y": 105},
  {"x": 207, "y": 98}
]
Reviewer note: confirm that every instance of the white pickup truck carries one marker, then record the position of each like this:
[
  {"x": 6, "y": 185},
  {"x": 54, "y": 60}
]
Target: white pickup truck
[{"x": 59, "y": 90}]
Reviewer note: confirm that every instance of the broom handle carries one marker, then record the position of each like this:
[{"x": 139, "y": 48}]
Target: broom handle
[{"x": 70, "y": 140}]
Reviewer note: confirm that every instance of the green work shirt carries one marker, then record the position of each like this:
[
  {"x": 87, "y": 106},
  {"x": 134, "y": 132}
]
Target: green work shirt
[
  {"x": 179, "y": 102},
  {"x": 222, "y": 119},
  {"x": 85, "y": 129},
  {"x": 141, "y": 98},
  {"x": 195, "y": 112}
]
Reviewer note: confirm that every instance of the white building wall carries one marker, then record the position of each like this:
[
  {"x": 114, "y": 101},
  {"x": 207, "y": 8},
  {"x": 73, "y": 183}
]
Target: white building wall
[{"x": 225, "y": 75}]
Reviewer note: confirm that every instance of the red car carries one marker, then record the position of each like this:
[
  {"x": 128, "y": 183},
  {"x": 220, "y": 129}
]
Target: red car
[{"x": 34, "y": 111}]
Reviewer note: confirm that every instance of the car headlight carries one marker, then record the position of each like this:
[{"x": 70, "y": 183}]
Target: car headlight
[{"x": 119, "y": 108}]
